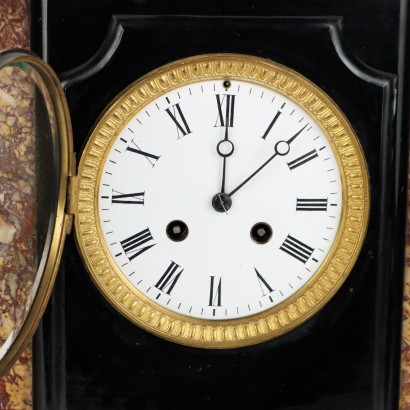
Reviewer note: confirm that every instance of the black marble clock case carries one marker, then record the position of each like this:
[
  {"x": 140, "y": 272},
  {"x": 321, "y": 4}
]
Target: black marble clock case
[{"x": 87, "y": 356}]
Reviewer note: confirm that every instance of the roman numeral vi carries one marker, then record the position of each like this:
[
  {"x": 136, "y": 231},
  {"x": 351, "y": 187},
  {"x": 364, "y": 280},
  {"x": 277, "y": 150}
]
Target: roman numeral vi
[{"x": 215, "y": 292}]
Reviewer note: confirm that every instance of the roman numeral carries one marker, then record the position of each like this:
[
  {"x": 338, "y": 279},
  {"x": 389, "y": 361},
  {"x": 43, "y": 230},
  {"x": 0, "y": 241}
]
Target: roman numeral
[
  {"x": 311, "y": 204},
  {"x": 215, "y": 293},
  {"x": 303, "y": 159},
  {"x": 297, "y": 249},
  {"x": 151, "y": 158},
  {"x": 226, "y": 108},
  {"x": 136, "y": 198},
  {"x": 263, "y": 284},
  {"x": 275, "y": 118},
  {"x": 133, "y": 245},
  {"x": 178, "y": 117},
  {"x": 168, "y": 280}
]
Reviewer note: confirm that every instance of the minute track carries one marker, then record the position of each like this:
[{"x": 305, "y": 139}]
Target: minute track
[{"x": 148, "y": 149}]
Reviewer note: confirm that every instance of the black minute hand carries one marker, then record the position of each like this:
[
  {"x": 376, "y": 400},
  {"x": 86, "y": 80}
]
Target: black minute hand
[
  {"x": 225, "y": 149},
  {"x": 281, "y": 148},
  {"x": 224, "y": 158}
]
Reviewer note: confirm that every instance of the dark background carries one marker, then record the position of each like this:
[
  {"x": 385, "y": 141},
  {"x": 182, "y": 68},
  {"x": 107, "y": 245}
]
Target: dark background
[{"x": 347, "y": 356}]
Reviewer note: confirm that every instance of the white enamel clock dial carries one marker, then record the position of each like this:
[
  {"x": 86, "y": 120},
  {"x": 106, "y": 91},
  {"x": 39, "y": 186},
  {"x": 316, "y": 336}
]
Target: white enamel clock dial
[
  {"x": 222, "y": 200},
  {"x": 164, "y": 166}
]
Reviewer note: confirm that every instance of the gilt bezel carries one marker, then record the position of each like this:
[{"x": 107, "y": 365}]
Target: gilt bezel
[{"x": 280, "y": 318}]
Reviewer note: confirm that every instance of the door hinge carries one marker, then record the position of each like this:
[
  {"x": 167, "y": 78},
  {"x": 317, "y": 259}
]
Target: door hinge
[
  {"x": 71, "y": 199},
  {"x": 71, "y": 195},
  {"x": 70, "y": 203}
]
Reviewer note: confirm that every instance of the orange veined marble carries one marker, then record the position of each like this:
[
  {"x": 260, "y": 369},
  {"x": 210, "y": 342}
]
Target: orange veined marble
[
  {"x": 405, "y": 353},
  {"x": 16, "y": 386}
]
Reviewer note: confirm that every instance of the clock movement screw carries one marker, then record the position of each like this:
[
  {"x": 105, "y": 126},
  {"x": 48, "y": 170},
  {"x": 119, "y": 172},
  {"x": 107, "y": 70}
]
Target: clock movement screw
[
  {"x": 227, "y": 84},
  {"x": 177, "y": 231}
]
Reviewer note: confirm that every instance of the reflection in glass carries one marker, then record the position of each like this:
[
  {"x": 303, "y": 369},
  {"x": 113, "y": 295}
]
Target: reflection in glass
[{"x": 28, "y": 191}]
